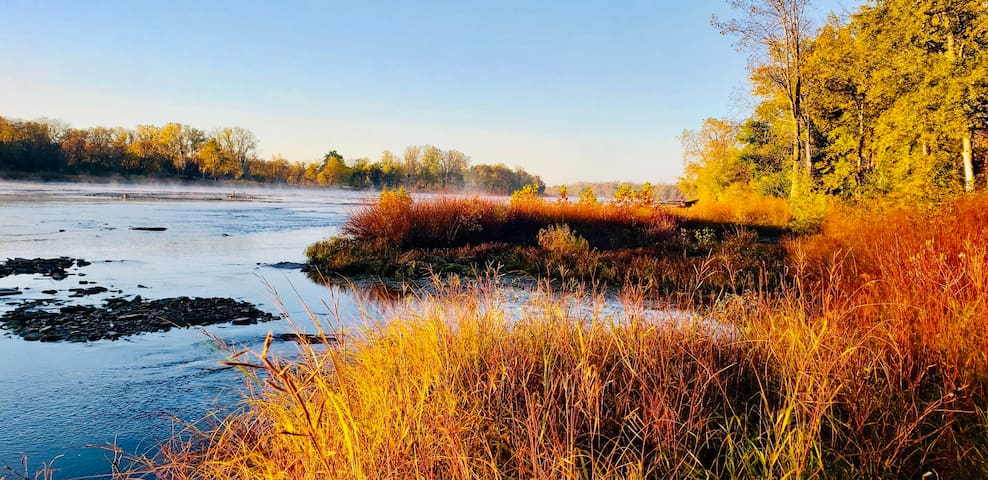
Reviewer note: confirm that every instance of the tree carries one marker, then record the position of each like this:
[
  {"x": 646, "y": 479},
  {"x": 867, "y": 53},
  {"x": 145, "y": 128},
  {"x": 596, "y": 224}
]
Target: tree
[
  {"x": 776, "y": 32},
  {"x": 391, "y": 169},
  {"x": 211, "y": 158},
  {"x": 930, "y": 87},
  {"x": 144, "y": 149},
  {"x": 239, "y": 145},
  {"x": 74, "y": 147},
  {"x": 411, "y": 158},
  {"x": 452, "y": 165},
  {"x": 428, "y": 175},
  {"x": 713, "y": 161},
  {"x": 334, "y": 171},
  {"x": 179, "y": 144},
  {"x": 842, "y": 101},
  {"x": 587, "y": 196}
]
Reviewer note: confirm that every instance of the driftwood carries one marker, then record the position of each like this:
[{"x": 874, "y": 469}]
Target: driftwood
[{"x": 679, "y": 203}]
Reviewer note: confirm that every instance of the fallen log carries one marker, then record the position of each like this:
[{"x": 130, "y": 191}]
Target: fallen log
[{"x": 679, "y": 203}]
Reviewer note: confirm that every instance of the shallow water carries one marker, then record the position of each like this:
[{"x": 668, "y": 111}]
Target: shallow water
[{"x": 57, "y": 398}]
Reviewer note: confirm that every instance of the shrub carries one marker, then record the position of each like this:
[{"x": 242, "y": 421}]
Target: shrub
[
  {"x": 588, "y": 197},
  {"x": 562, "y": 243},
  {"x": 344, "y": 255},
  {"x": 386, "y": 220},
  {"x": 809, "y": 211},
  {"x": 527, "y": 193},
  {"x": 750, "y": 210}
]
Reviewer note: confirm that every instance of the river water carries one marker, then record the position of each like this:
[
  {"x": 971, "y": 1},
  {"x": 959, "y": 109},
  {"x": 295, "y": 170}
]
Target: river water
[
  {"x": 61, "y": 401},
  {"x": 58, "y": 398}
]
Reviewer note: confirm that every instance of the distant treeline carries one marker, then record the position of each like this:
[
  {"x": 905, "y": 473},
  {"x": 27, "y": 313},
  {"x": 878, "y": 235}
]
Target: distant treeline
[
  {"x": 610, "y": 189},
  {"x": 49, "y": 147}
]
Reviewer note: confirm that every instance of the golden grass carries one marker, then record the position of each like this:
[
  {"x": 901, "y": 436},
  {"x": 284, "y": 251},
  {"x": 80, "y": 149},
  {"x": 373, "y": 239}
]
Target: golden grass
[
  {"x": 450, "y": 222},
  {"x": 870, "y": 364},
  {"x": 752, "y": 210}
]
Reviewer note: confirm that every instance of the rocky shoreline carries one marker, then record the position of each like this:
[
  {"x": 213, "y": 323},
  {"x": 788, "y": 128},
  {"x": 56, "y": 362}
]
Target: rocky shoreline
[{"x": 50, "y": 320}]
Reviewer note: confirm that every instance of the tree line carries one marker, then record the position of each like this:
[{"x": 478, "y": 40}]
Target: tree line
[
  {"x": 174, "y": 150},
  {"x": 891, "y": 100}
]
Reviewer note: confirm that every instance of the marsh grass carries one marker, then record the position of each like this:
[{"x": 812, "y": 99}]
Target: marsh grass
[
  {"x": 868, "y": 363},
  {"x": 619, "y": 243},
  {"x": 451, "y": 222}
]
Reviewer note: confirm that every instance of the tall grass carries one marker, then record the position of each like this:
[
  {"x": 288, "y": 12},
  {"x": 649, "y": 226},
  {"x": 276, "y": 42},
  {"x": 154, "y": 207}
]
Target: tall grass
[
  {"x": 869, "y": 364},
  {"x": 924, "y": 270},
  {"x": 450, "y": 222},
  {"x": 751, "y": 210},
  {"x": 613, "y": 243}
]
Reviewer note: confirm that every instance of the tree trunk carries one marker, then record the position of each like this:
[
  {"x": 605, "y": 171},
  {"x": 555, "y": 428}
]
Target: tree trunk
[
  {"x": 808, "y": 159},
  {"x": 796, "y": 159},
  {"x": 967, "y": 157},
  {"x": 861, "y": 140},
  {"x": 797, "y": 122}
]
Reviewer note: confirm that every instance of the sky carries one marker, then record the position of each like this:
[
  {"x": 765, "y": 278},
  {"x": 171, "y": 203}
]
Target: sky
[{"x": 569, "y": 90}]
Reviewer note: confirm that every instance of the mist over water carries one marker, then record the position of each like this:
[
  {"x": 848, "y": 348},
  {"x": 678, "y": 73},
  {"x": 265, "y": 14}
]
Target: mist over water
[{"x": 56, "y": 398}]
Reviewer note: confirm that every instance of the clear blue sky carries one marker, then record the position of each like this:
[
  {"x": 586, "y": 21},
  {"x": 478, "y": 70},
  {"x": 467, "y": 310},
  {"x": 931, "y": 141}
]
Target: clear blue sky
[{"x": 570, "y": 90}]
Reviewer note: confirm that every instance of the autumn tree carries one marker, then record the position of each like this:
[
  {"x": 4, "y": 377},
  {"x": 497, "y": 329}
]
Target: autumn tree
[
  {"x": 451, "y": 168},
  {"x": 179, "y": 144},
  {"x": 776, "y": 33},
  {"x": 175, "y": 149},
  {"x": 712, "y": 157},
  {"x": 334, "y": 170},
  {"x": 412, "y": 161},
  {"x": 238, "y": 145},
  {"x": 392, "y": 172},
  {"x": 429, "y": 172}
]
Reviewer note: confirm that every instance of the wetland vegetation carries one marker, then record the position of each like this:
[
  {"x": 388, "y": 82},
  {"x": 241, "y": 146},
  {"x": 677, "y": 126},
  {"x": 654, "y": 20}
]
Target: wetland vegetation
[
  {"x": 820, "y": 312},
  {"x": 842, "y": 268}
]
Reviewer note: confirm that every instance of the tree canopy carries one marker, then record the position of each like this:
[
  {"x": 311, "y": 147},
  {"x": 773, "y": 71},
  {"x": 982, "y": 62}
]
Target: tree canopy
[{"x": 892, "y": 101}]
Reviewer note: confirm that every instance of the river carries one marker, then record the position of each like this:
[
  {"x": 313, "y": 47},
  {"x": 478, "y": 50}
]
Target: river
[{"x": 57, "y": 399}]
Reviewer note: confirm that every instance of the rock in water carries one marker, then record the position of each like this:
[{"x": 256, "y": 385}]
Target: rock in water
[
  {"x": 53, "y": 267},
  {"x": 120, "y": 318}
]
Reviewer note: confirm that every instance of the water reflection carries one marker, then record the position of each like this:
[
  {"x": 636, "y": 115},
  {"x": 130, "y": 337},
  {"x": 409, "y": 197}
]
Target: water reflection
[{"x": 367, "y": 289}]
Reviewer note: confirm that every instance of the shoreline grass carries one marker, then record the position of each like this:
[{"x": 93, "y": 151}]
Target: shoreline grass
[{"x": 871, "y": 363}]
